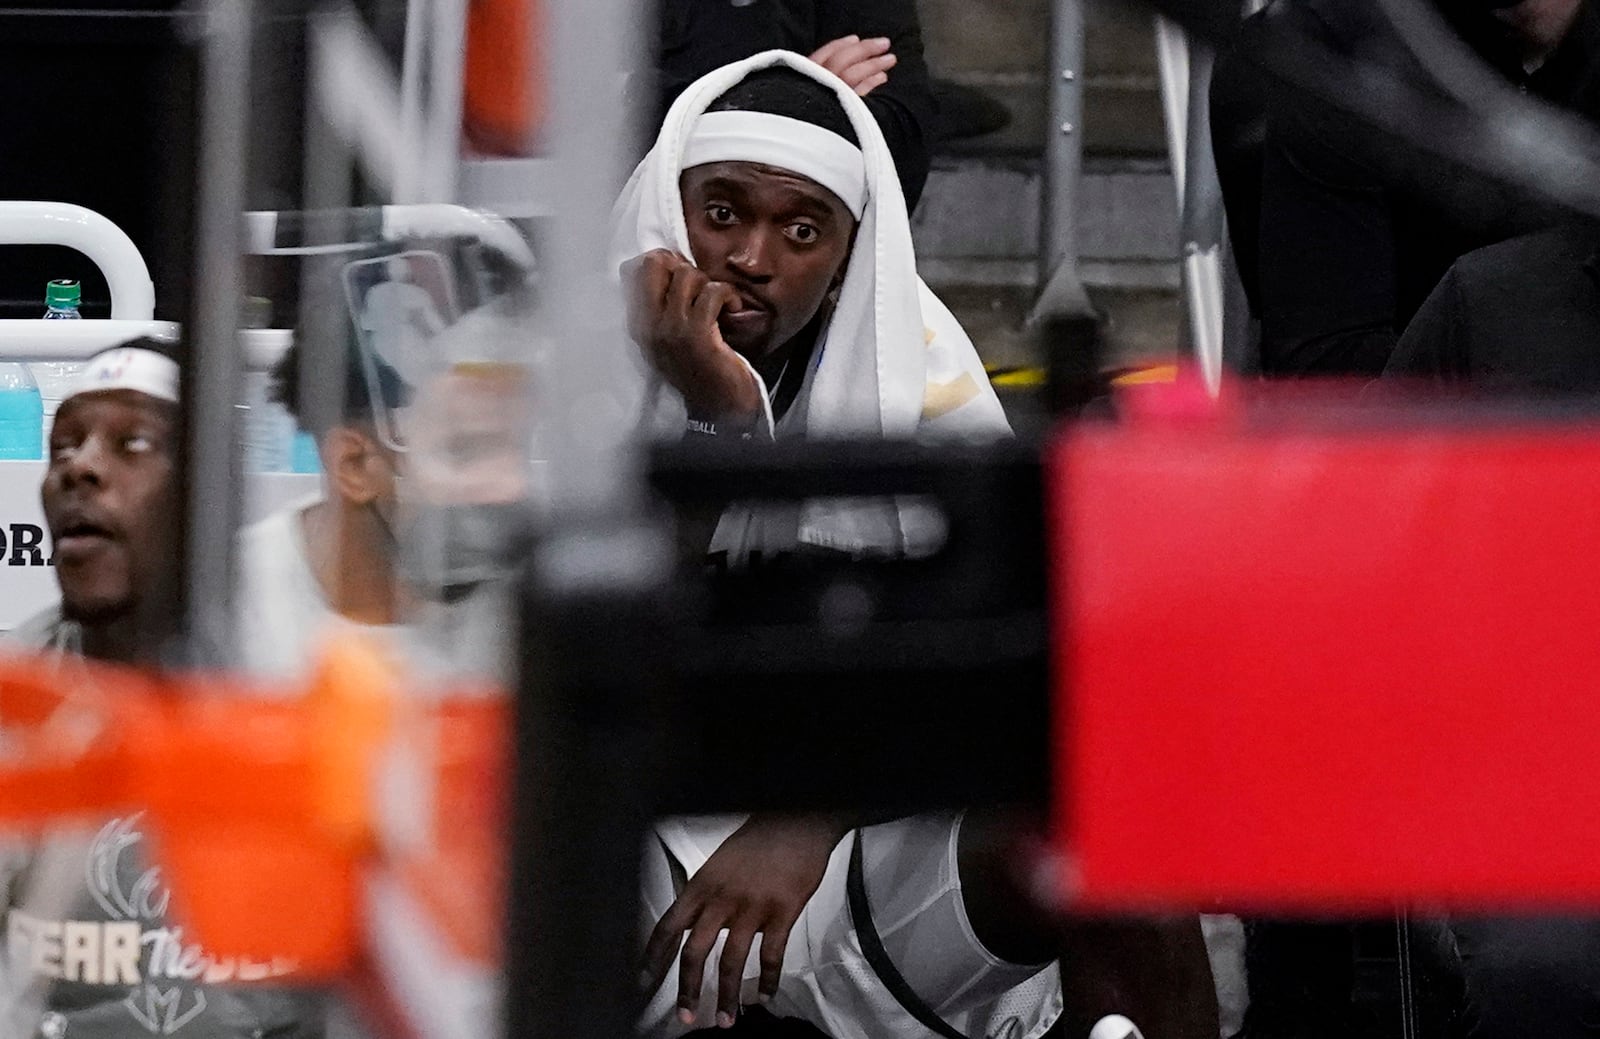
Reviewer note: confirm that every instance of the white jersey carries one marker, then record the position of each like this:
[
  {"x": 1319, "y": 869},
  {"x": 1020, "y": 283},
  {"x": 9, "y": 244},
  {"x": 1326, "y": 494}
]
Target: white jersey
[
  {"x": 283, "y": 617},
  {"x": 912, "y": 886}
]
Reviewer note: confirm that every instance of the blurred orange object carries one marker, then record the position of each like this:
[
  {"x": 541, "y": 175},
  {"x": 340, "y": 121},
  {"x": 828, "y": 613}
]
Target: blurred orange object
[
  {"x": 458, "y": 874},
  {"x": 279, "y": 790},
  {"x": 503, "y": 101}
]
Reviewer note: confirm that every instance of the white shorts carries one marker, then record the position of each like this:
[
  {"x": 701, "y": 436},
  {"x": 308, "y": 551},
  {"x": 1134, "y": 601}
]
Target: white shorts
[{"x": 914, "y": 891}]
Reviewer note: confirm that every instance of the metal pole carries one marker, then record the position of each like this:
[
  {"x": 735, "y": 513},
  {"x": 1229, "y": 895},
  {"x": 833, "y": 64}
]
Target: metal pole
[
  {"x": 441, "y": 158},
  {"x": 1063, "y": 147},
  {"x": 1064, "y": 141},
  {"x": 353, "y": 90},
  {"x": 1204, "y": 222},
  {"x": 592, "y": 46},
  {"x": 590, "y": 730},
  {"x": 409, "y": 175},
  {"x": 1062, "y": 292},
  {"x": 212, "y": 374},
  {"x": 581, "y": 809},
  {"x": 1172, "y": 65}
]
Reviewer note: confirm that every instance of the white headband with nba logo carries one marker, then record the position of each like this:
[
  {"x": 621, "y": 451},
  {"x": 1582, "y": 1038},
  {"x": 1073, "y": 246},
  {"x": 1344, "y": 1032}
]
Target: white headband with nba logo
[{"x": 129, "y": 368}]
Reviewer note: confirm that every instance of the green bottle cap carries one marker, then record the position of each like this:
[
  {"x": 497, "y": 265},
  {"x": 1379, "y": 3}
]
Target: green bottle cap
[{"x": 61, "y": 293}]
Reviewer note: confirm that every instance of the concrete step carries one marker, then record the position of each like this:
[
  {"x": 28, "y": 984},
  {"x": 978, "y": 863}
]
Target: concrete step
[
  {"x": 965, "y": 36},
  {"x": 1139, "y": 329},
  {"x": 1001, "y": 48},
  {"x": 1140, "y": 325},
  {"x": 1121, "y": 116},
  {"x": 979, "y": 223},
  {"x": 978, "y": 227}
]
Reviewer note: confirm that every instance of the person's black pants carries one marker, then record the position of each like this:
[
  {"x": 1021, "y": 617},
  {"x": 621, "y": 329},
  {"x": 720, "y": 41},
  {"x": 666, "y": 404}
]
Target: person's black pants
[{"x": 1532, "y": 977}]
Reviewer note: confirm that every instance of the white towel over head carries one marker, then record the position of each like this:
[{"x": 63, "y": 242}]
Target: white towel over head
[{"x": 892, "y": 361}]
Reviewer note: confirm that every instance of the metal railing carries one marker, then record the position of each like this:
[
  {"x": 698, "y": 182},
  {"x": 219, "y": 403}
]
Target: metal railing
[
  {"x": 1185, "y": 78},
  {"x": 108, "y": 247},
  {"x": 133, "y": 294},
  {"x": 1062, "y": 293}
]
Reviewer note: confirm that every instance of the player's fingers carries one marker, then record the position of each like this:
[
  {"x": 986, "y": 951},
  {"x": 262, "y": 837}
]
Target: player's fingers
[
  {"x": 871, "y": 83},
  {"x": 713, "y": 299},
  {"x": 687, "y": 281},
  {"x": 663, "y": 943},
  {"x": 864, "y": 70},
  {"x": 855, "y": 53},
  {"x": 773, "y": 941},
  {"x": 645, "y": 279},
  {"x": 692, "y": 961},
  {"x": 823, "y": 54},
  {"x": 664, "y": 260},
  {"x": 730, "y": 971}
]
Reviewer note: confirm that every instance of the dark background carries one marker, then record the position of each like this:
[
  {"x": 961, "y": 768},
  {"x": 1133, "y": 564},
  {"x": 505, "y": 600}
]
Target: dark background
[{"x": 101, "y": 111}]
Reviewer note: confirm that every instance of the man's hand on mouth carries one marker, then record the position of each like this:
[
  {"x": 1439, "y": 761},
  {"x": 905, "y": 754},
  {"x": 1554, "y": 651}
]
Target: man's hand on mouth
[{"x": 673, "y": 314}]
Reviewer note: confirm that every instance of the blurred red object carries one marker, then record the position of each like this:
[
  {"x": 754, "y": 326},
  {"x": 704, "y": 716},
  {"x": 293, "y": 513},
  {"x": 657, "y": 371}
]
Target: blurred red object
[{"x": 1326, "y": 656}]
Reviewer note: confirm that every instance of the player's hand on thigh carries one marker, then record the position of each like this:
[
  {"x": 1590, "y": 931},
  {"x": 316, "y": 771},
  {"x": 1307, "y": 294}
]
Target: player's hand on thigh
[
  {"x": 757, "y": 882},
  {"x": 672, "y": 309}
]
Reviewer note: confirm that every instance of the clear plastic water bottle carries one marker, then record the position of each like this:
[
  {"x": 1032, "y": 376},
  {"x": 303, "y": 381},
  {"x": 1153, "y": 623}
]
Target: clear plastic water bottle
[
  {"x": 61, "y": 298},
  {"x": 303, "y": 454},
  {"x": 21, "y": 414},
  {"x": 272, "y": 444},
  {"x": 265, "y": 432},
  {"x": 55, "y": 378}
]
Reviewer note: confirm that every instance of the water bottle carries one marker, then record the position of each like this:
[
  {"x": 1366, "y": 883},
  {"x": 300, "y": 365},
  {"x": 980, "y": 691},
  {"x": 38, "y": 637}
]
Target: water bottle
[
  {"x": 21, "y": 414},
  {"x": 303, "y": 454},
  {"x": 262, "y": 428},
  {"x": 272, "y": 444},
  {"x": 56, "y": 378},
  {"x": 61, "y": 299}
]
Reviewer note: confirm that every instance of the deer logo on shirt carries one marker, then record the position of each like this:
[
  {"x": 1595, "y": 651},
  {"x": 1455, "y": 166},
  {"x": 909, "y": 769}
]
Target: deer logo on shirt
[{"x": 134, "y": 947}]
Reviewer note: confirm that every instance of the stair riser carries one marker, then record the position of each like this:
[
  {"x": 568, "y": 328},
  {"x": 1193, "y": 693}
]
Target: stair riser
[{"x": 984, "y": 216}]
